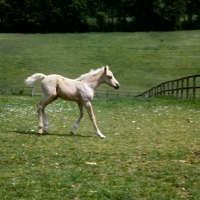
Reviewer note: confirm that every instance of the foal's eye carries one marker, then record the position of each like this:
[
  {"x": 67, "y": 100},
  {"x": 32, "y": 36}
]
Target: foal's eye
[{"x": 110, "y": 77}]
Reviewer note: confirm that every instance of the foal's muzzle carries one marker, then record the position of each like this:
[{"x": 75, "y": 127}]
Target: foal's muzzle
[{"x": 117, "y": 86}]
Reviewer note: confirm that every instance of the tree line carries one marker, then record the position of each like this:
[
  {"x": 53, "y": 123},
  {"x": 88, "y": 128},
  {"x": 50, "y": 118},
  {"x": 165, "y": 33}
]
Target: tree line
[{"x": 98, "y": 15}]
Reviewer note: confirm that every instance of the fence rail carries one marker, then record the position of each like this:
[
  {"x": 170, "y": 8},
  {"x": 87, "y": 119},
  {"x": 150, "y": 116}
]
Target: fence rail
[
  {"x": 110, "y": 94},
  {"x": 17, "y": 90},
  {"x": 185, "y": 87},
  {"x": 32, "y": 92}
]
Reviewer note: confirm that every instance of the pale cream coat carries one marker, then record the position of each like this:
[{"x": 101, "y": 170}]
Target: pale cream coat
[{"x": 80, "y": 90}]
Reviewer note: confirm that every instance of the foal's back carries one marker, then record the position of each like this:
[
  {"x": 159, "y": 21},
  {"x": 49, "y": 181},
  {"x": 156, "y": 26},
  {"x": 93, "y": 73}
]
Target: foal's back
[{"x": 65, "y": 88}]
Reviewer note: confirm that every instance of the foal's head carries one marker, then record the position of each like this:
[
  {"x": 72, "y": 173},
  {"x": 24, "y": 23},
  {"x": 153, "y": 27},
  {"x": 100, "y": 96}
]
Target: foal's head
[{"x": 109, "y": 78}]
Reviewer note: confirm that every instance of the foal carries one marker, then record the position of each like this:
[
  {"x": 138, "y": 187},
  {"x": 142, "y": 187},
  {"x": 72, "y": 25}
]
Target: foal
[{"x": 80, "y": 90}]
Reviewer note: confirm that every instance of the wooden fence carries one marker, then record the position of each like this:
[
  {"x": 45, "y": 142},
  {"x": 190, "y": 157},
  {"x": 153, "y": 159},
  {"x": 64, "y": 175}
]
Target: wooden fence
[
  {"x": 185, "y": 87},
  {"x": 17, "y": 90},
  {"x": 113, "y": 94},
  {"x": 32, "y": 92}
]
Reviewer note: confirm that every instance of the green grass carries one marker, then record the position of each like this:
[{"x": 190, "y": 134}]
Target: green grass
[
  {"x": 152, "y": 146},
  {"x": 139, "y": 60},
  {"x": 151, "y": 150}
]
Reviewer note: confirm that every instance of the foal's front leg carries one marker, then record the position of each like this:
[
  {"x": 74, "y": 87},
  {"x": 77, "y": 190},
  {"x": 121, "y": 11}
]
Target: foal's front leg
[
  {"x": 46, "y": 123},
  {"x": 93, "y": 119},
  {"x": 40, "y": 120},
  {"x": 79, "y": 118}
]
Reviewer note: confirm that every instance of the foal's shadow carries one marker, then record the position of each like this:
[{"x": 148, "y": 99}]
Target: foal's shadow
[{"x": 51, "y": 134}]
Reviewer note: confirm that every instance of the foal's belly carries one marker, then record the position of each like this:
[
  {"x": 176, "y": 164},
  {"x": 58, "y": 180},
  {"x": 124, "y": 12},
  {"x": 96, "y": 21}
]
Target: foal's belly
[{"x": 68, "y": 94}]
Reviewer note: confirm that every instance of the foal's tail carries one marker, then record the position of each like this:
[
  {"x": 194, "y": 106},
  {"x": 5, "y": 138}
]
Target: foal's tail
[{"x": 33, "y": 78}]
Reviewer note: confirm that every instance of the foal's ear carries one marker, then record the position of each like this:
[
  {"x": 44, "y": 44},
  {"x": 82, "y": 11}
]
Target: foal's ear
[{"x": 106, "y": 68}]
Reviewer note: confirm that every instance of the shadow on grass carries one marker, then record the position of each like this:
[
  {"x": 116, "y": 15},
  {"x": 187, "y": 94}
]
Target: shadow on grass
[{"x": 51, "y": 134}]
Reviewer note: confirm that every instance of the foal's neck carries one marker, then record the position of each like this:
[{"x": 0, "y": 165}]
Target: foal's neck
[{"x": 94, "y": 80}]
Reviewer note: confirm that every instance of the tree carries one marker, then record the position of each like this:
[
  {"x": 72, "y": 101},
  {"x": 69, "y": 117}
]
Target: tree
[
  {"x": 2, "y": 12},
  {"x": 100, "y": 15},
  {"x": 173, "y": 11},
  {"x": 147, "y": 14},
  {"x": 76, "y": 15}
]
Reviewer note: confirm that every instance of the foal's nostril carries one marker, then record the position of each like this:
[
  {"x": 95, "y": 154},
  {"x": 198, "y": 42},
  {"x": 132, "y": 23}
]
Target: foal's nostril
[{"x": 117, "y": 86}]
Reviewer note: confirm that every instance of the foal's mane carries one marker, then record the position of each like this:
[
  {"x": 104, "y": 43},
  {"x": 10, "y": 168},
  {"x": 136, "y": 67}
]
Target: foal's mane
[{"x": 91, "y": 72}]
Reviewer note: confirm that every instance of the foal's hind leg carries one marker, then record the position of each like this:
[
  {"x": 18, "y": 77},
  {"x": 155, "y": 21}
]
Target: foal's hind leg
[
  {"x": 79, "y": 118},
  {"x": 40, "y": 119},
  {"x": 41, "y": 112}
]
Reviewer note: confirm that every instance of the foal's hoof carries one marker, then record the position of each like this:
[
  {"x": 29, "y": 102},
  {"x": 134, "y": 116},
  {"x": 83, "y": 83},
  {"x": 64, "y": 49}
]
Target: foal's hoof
[
  {"x": 71, "y": 133},
  {"x": 102, "y": 136},
  {"x": 40, "y": 132}
]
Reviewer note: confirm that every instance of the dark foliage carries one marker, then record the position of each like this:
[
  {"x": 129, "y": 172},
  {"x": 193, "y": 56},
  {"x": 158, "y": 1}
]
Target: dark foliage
[{"x": 101, "y": 15}]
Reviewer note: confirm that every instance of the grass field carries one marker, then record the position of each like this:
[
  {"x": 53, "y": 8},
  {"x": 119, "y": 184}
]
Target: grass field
[
  {"x": 152, "y": 146},
  {"x": 151, "y": 151},
  {"x": 138, "y": 60}
]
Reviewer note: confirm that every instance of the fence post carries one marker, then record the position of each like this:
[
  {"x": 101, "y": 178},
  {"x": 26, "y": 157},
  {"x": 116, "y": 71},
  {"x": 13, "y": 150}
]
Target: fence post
[
  {"x": 168, "y": 88},
  {"x": 177, "y": 88},
  {"x": 172, "y": 88},
  {"x": 187, "y": 91},
  {"x": 156, "y": 93},
  {"x": 159, "y": 88},
  {"x": 182, "y": 85},
  {"x": 194, "y": 87},
  {"x": 164, "y": 88},
  {"x": 150, "y": 92}
]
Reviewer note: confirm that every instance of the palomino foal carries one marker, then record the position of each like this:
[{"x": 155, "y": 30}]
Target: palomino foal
[{"x": 80, "y": 90}]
